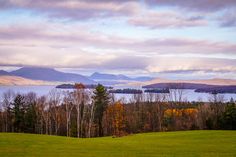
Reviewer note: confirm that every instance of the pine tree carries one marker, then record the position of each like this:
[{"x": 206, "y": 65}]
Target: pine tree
[
  {"x": 101, "y": 101},
  {"x": 30, "y": 118},
  {"x": 18, "y": 112}
]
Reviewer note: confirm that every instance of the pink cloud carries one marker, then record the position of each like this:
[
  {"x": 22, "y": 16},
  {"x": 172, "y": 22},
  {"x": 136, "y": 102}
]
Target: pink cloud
[
  {"x": 166, "y": 20},
  {"x": 50, "y": 36},
  {"x": 72, "y": 9}
]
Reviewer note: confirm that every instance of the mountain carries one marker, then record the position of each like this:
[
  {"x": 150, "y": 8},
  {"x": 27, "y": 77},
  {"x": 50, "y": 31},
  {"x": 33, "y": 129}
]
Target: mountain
[
  {"x": 49, "y": 74},
  {"x": 15, "y": 80},
  {"x": 215, "y": 81},
  {"x": 101, "y": 76},
  {"x": 2, "y": 72},
  {"x": 143, "y": 78}
]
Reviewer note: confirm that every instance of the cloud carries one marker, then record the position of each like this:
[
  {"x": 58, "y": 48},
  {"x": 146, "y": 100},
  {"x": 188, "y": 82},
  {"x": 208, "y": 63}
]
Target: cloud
[
  {"x": 193, "y": 5},
  {"x": 74, "y": 9},
  {"x": 126, "y": 62},
  {"x": 135, "y": 13},
  {"x": 228, "y": 19},
  {"x": 59, "y": 37},
  {"x": 166, "y": 19},
  {"x": 192, "y": 64}
]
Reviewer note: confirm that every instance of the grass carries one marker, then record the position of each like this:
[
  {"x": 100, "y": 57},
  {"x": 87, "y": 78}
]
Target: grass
[{"x": 166, "y": 144}]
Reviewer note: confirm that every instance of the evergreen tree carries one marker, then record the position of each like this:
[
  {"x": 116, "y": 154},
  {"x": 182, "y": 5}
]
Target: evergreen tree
[
  {"x": 101, "y": 100},
  {"x": 30, "y": 118},
  {"x": 18, "y": 112}
]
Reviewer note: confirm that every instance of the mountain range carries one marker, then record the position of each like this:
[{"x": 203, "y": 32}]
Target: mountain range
[
  {"x": 102, "y": 76},
  {"x": 50, "y": 74},
  {"x": 42, "y": 75}
]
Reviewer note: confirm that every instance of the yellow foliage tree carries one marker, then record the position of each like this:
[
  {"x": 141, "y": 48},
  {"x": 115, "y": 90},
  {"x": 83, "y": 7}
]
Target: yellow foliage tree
[{"x": 116, "y": 114}]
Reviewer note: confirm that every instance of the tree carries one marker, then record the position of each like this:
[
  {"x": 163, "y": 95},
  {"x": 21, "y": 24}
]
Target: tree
[
  {"x": 80, "y": 97},
  {"x": 42, "y": 115},
  {"x": 30, "y": 116},
  {"x": 55, "y": 102},
  {"x": 6, "y": 105},
  {"x": 68, "y": 99},
  {"x": 18, "y": 111},
  {"x": 101, "y": 101},
  {"x": 228, "y": 118},
  {"x": 115, "y": 114}
]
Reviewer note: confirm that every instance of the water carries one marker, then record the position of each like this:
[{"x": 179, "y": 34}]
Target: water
[{"x": 187, "y": 95}]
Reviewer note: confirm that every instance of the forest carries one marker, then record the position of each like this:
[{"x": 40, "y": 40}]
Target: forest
[{"x": 86, "y": 113}]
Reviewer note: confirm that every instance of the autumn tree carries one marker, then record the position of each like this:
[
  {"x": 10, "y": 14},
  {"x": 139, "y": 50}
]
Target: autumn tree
[{"x": 115, "y": 115}]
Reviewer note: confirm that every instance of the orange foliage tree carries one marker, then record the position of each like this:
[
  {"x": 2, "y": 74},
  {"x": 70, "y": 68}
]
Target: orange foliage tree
[
  {"x": 115, "y": 115},
  {"x": 183, "y": 119}
]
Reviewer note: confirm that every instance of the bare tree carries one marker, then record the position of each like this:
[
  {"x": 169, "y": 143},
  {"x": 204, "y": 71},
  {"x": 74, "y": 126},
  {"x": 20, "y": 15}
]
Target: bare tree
[
  {"x": 91, "y": 118},
  {"x": 55, "y": 101},
  {"x": 8, "y": 97},
  {"x": 79, "y": 101},
  {"x": 68, "y": 101},
  {"x": 177, "y": 92},
  {"x": 42, "y": 115}
]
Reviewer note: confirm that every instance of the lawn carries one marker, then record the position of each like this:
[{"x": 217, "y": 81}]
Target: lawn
[{"x": 174, "y": 144}]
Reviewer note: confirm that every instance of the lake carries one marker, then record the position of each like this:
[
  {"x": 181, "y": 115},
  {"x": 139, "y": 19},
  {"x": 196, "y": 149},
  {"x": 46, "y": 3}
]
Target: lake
[{"x": 187, "y": 95}]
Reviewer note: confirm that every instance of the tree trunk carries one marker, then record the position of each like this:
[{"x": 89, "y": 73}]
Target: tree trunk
[
  {"x": 91, "y": 121},
  {"x": 78, "y": 120}
]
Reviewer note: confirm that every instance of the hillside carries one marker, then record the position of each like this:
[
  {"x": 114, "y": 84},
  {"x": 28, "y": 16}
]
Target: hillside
[
  {"x": 214, "y": 81},
  {"x": 178, "y": 144},
  {"x": 15, "y": 80},
  {"x": 3, "y": 72}
]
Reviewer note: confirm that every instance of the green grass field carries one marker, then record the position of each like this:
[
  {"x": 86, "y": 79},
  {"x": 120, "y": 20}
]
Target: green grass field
[{"x": 174, "y": 144}]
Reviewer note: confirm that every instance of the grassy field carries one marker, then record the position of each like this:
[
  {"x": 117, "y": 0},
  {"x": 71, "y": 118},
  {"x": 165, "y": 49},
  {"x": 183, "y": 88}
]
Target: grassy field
[{"x": 174, "y": 144}]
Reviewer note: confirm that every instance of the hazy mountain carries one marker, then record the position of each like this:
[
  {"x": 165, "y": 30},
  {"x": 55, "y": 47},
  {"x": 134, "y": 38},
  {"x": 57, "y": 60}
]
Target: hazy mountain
[
  {"x": 143, "y": 78},
  {"x": 2, "y": 72},
  {"x": 49, "y": 74},
  {"x": 101, "y": 76}
]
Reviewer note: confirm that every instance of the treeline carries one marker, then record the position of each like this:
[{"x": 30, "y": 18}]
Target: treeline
[
  {"x": 126, "y": 91},
  {"x": 83, "y": 113}
]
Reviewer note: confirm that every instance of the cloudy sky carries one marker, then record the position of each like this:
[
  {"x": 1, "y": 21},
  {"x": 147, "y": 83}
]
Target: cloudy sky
[{"x": 161, "y": 38}]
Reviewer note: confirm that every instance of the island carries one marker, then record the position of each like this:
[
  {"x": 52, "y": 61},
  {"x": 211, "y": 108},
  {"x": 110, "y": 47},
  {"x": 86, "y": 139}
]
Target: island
[{"x": 126, "y": 91}]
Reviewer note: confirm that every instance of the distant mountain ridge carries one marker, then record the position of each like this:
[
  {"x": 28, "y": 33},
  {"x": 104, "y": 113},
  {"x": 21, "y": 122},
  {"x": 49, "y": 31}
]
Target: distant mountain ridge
[
  {"x": 103, "y": 76},
  {"x": 52, "y": 75},
  {"x": 3, "y": 72},
  {"x": 49, "y": 74}
]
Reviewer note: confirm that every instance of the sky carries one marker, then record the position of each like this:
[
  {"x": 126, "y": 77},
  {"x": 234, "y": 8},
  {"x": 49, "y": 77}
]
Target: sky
[{"x": 160, "y": 38}]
